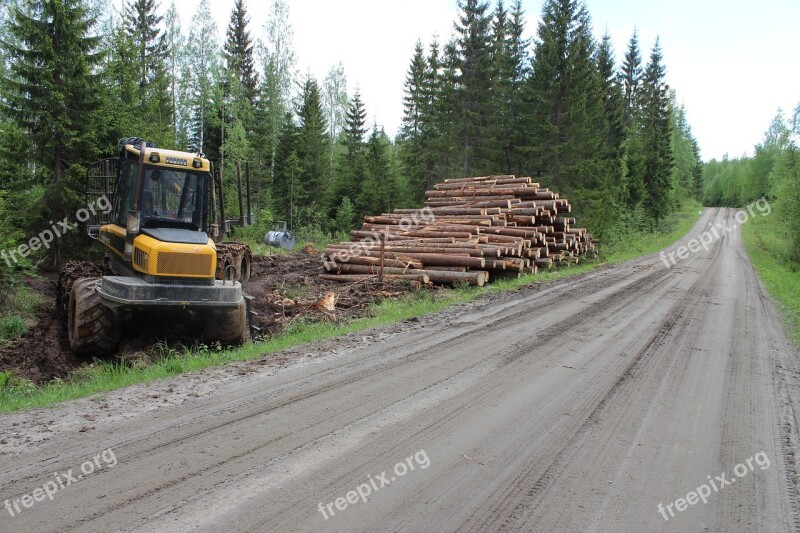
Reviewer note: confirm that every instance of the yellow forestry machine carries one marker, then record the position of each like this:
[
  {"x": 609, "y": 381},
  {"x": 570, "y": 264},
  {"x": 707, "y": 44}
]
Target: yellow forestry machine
[{"x": 160, "y": 236}]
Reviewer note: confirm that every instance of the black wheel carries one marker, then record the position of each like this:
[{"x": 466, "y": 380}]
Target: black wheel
[
  {"x": 93, "y": 327},
  {"x": 226, "y": 326}
]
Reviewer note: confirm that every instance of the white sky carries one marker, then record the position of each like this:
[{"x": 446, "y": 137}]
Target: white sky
[{"x": 733, "y": 63}]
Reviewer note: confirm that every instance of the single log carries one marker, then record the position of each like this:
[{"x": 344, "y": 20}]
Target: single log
[
  {"x": 429, "y": 260},
  {"x": 422, "y": 278},
  {"x": 477, "y": 277}
]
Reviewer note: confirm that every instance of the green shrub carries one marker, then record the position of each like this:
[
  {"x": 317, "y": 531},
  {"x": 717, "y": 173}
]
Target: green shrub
[{"x": 11, "y": 326}]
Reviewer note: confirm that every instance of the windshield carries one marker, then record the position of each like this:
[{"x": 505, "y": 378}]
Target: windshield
[{"x": 170, "y": 197}]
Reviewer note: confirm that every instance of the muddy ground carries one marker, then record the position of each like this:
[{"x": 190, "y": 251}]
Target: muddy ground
[{"x": 286, "y": 288}]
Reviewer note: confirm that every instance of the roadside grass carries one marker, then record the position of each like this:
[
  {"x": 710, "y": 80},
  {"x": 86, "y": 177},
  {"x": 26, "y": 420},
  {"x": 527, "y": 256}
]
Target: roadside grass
[
  {"x": 765, "y": 242},
  {"x": 673, "y": 227},
  {"x": 104, "y": 376}
]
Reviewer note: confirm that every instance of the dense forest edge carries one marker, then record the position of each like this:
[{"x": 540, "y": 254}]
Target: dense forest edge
[
  {"x": 607, "y": 131},
  {"x": 772, "y": 174},
  {"x": 77, "y": 76}
]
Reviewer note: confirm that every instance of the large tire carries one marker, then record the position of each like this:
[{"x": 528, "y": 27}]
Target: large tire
[
  {"x": 94, "y": 328},
  {"x": 242, "y": 263},
  {"x": 226, "y": 326},
  {"x": 237, "y": 255}
]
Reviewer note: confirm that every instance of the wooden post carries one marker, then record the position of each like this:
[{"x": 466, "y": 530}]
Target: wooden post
[
  {"x": 239, "y": 186},
  {"x": 383, "y": 248},
  {"x": 249, "y": 197},
  {"x": 223, "y": 219}
]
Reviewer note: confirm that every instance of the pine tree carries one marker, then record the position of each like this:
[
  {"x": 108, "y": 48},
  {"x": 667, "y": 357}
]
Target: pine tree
[
  {"x": 50, "y": 93},
  {"x": 656, "y": 137},
  {"x": 472, "y": 93}
]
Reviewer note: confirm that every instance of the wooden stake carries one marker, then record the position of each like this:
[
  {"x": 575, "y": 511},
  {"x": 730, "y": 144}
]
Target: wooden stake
[{"x": 383, "y": 248}]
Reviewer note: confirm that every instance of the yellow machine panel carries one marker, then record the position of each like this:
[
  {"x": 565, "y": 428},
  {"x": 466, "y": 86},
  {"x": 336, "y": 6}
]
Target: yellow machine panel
[
  {"x": 113, "y": 238},
  {"x": 172, "y": 159},
  {"x": 156, "y": 258}
]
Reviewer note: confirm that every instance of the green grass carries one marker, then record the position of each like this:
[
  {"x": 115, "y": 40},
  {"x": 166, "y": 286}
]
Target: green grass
[
  {"x": 18, "y": 308},
  {"x": 673, "y": 227},
  {"x": 101, "y": 377},
  {"x": 765, "y": 242}
]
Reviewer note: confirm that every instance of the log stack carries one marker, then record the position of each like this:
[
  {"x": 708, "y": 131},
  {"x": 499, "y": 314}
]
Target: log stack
[{"x": 471, "y": 230}]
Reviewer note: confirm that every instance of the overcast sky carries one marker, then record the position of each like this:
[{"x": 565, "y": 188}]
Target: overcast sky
[{"x": 733, "y": 63}]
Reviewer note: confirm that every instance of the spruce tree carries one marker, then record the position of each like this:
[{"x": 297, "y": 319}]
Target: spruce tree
[
  {"x": 612, "y": 127},
  {"x": 240, "y": 83},
  {"x": 378, "y": 189},
  {"x": 414, "y": 97},
  {"x": 238, "y": 52},
  {"x": 631, "y": 75},
  {"x": 565, "y": 96},
  {"x": 632, "y": 150},
  {"x": 416, "y": 116},
  {"x": 312, "y": 150},
  {"x": 142, "y": 24},
  {"x": 175, "y": 42},
  {"x": 201, "y": 78},
  {"x": 656, "y": 137},
  {"x": 275, "y": 92},
  {"x": 446, "y": 114},
  {"x": 350, "y": 171},
  {"x": 120, "y": 84},
  {"x": 287, "y": 182},
  {"x": 50, "y": 92},
  {"x": 511, "y": 117},
  {"x": 472, "y": 92},
  {"x": 501, "y": 119}
]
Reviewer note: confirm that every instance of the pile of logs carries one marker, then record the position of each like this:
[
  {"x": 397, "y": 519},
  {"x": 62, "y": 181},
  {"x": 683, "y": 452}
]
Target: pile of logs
[{"x": 469, "y": 228}]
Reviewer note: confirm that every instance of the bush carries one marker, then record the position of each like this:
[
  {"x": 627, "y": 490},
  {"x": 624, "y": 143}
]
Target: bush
[{"x": 11, "y": 326}]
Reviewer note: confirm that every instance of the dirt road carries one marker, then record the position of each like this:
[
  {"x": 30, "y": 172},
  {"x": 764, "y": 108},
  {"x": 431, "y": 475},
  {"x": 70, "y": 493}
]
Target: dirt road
[{"x": 577, "y": 405}]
